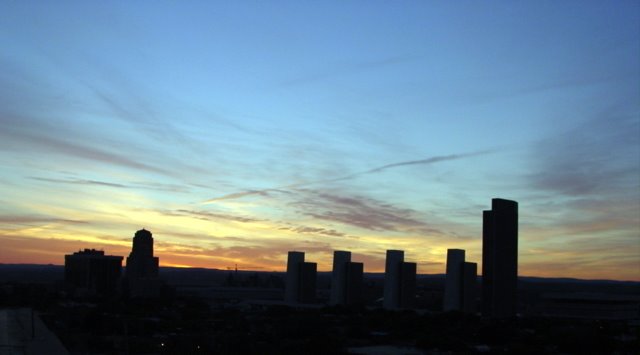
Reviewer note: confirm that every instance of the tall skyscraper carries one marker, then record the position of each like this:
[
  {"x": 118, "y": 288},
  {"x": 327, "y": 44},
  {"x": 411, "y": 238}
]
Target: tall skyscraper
[
  {"x": 392, "y": 278},
  {"x": 453, "y": 281},
  {"x": 399, "y": 281},
  {"x": 307, "y": 283},
  {"x": 339, "y": 277},
  {"x": 355, "y": 272},
  {"x": 487, "y": 262},
  {"x": 142, "y": 267},
  {"x": 301, "y": 277},
  {"x": 346, "y": 280},
  {"x": 141, "y": 262},
  {"x": 500, "y": 259},
  {"x": 469, "y": 286},
  {"x": 407, "y": 284},
  {"x": 91, "y": 270},
  {"x": 292, "y": 285}
]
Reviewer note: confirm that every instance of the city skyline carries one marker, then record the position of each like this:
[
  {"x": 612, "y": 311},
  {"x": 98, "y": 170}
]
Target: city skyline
[{"x": 237, "y": 132}]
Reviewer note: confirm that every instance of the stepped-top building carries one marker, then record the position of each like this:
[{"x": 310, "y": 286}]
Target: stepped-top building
[
  {"x": 460, "y": 283},
  {"x": 301, "y": 279},
  {"x": 142, "y": 267},
  {"x": 399, "y": 281},
  {"x": 346, "y": 280}
]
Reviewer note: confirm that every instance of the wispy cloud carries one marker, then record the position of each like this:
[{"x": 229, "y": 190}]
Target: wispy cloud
[
  {"x": 33, "y": 219},
  {"x": 39, "y": 118},
  {"x": 133, "y": 108},
  {"x": 29, "y": 139},
  {"x": 80, "y": 182},
  {"x": 146, "y": 185},
  {"x": 426, "y": 161},
  {"x": 219, "y": 216},
  {"x": 587, "y": 195},
  {"x": 236, "y": 195},
  {"x": 363, "y": 212},
  {"x": 314, "y": 231},
  {"x": 597, "y": 157}
]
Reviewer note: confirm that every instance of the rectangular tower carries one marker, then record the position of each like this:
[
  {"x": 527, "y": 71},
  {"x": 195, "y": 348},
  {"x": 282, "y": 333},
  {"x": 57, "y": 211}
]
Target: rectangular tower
[
  {"x": 90, "y": 269},
  {"x": 487, "y": 261},
  {"x": 453, "y": 281},
  {"x": 354, "y": 272},
  {"x": 339, "y": 277},
  {"x": 392, "y": 279},
  {"x": 407, "y": 285},
  {"x": 469, "y": 286},
  {"x": 500, "y": 259},
  {"x": 307, "y": 282},
  {"x": 292, "y": 286}
]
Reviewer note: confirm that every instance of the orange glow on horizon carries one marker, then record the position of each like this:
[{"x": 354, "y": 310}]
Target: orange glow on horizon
[{"x": 30, "y": 251}]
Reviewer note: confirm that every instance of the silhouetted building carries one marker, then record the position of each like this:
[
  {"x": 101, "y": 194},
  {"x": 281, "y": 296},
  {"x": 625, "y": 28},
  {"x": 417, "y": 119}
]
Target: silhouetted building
[
  {"x": 469, "y": 287},
  {"x": 338, "y": 277},
  {"x": 90, "y": 269},
  {"x": 301, "y": 279},
  {"x": 392, "y": 278},
  {"x": 500, "y": 259},
  {"x": 308, "y": 277},
  {"x": 407, "y": 285},
  {"x": 355, "y": 272},
  {"x": 141, "y": 262},
  {"x": 292, "y": 286},
  {"x": 346, "y": 280},
  {"x": 399, "y": 281},
  {"x": 460, "y": 283},
  {"x": 142, "y": 267},
  {"x": 453, "y": 281}
]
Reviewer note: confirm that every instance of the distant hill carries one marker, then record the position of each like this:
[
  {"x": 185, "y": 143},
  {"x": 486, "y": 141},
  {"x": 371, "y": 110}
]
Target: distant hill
[{"x": 32, "y": 273}]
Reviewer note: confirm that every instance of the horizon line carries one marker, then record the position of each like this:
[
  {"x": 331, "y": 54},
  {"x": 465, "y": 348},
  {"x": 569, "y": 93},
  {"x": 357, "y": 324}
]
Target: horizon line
[{"x": 328, "y": 271}]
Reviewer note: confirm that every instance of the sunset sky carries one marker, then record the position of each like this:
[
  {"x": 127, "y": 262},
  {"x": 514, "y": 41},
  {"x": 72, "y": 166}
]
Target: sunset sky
[{"x": 238, "y": 130}]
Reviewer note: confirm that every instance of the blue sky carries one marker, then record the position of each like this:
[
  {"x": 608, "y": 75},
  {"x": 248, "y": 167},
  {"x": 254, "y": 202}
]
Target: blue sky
[{"x": 237, "y": 131}]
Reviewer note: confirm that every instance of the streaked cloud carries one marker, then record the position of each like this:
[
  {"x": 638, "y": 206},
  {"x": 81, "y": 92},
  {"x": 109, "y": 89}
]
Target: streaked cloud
[
  {"x": 426, "y": 161},
  {"x": 29, "y": 140},
  {"x": 599, "y": 156},
  {"x": 362, "y": 212},
  {"x": 314, "y": 231},
  {"x": 81, "y": 182},
  {"x": 32, "y": 219},
  {"x": 430, "y": 160},
  {"x": 217, "y": 216}
]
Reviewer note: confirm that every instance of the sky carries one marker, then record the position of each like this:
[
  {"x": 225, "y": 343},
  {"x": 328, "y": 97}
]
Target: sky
[{"x": 236, "y": 131}]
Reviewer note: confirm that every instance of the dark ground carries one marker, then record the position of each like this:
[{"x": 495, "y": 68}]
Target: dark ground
[{"x": 182, "y": 321}]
